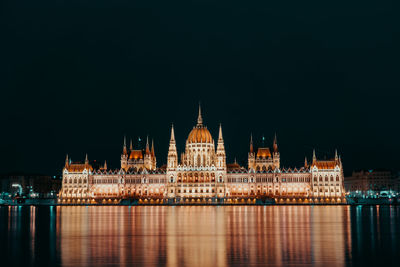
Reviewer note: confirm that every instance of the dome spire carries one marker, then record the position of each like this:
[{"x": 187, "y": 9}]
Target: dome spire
[{"x": 199, "y": 118}]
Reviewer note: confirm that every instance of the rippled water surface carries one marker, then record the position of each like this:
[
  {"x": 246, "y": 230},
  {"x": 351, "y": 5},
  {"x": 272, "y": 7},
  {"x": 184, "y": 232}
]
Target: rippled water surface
[{"x": 200, "y": 236}]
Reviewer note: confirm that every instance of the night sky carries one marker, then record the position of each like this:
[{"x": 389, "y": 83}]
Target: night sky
[{"x": 78, "y": 75}]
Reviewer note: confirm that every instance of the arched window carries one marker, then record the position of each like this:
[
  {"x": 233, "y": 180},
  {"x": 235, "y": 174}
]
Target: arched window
[
  {"x": 331, "y": 178},
  {"x": 198, "y": 160},
  {"x": 320, "y": 178},
  {"x": 337, "y": 178},
  {"x": 326, "y": 179}
]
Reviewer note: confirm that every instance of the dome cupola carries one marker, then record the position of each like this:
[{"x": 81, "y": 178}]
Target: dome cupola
[{"x": 200, "y": 133}]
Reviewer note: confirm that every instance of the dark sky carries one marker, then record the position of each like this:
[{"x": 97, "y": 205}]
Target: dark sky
[{"x": 78, "y": 75}]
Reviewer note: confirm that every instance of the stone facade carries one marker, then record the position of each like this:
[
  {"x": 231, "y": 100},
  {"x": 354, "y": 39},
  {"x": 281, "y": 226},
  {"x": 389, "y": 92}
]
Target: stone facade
[{"x": 203, "y": 176}]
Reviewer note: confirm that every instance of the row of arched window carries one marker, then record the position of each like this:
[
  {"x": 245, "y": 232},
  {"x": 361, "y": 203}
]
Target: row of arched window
[
  {"x": 75, "y": 180},
  {"x": 321, "y": 179}
]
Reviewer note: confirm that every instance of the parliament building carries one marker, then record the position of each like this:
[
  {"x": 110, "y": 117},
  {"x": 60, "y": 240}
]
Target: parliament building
[{"x": 202, "y": 176}]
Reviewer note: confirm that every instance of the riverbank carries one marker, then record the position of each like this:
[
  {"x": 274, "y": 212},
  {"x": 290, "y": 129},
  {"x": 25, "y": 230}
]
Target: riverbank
[{"x": 54, "y": 202}]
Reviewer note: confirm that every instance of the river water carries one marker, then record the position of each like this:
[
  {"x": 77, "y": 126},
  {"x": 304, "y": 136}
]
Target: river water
[{"x": 200, "y": 236}]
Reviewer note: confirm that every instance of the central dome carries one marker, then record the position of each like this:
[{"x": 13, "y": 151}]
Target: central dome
[{"x": 200, "y": 133}]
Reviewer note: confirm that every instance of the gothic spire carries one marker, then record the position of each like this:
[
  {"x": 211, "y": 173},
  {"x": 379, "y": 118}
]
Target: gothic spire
[
  {"x": 220, "y": 147},
  {"x": 336, "y": 155},
  {"x": 220, "y": 138},
  {"x": 124, "y": 151},
  {"x": 314, "y": 158},
  {"x": 105, "y": 165},
  {"x": 172, "y": 133},
  {"x": 131, "y": 146},
  {"x": 152, "y": 147},
  {"x": 66, "y": 161},
  {"x": 251, "y": 143},
  {"x": 86, "y": 159},
  {"x": 305, "y": 162},
  {"x": 275, "y": 145},
  {"x": 147, "y": 145},
  {"x": 172, "y": 160}
]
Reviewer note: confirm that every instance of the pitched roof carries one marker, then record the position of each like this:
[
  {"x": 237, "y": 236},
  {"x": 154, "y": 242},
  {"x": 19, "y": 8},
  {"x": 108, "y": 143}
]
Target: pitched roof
[
  {"x": 325, "y": 164},
  {"x": 78, "y": 167}
]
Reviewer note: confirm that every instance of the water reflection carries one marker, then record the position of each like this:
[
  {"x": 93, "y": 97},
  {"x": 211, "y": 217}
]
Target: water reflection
[{"x": 200, "y": 236}]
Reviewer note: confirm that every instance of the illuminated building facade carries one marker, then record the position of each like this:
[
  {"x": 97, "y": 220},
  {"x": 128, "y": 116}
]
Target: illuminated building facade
[{"x": 203, "y": 176}]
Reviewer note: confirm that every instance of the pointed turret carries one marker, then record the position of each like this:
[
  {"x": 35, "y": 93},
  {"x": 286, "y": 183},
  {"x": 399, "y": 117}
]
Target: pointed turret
[
  {"x": 105, "y": 165},
  {"x": 147, "y": 146},
  {"x": 275, "y": 145},
  {"x": 314, "y": 158},
  {"x": 66, "y": 161},
  {"x": 276, "y": 155},
  {"x": 86, "y": 159},
  {"x": 199, "y": 118},
  {"x": 172, "y": 153},
  {"x": 305, "y": 162},
  {"x": 251, "y": 155},
  {"x": 131, "y": 146},
  {"x": 251, "y": 143},
  {"x": 124, "y": 156},
  {"x": 172, "y": 134},
  {"x": 336, "y": 155},
  {"x": 124, "y": 150},
  {"x": 152, "y": 147},
  {"x": 221, "y": 156},
  {"x": 220, "y": 138}
]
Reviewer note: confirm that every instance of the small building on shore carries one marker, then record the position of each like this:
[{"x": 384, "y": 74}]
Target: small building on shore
[{"x": 372, "y": 183}]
